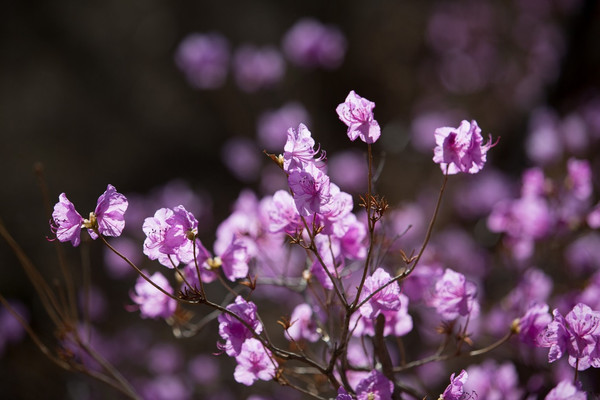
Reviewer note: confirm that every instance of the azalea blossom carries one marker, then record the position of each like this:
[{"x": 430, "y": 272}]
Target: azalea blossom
[
  {"x": 254, "y": 363},
  {"x": 107, "y": 219},
  {"x": 461, "y": 149},
  {"x": 357, "y": 113}
]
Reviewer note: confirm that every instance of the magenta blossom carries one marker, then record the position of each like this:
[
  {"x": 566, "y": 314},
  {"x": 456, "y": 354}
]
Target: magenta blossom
[
  {"x": 575, "y": 334},
  {"x": 303, "y": 326},
  {"x": 152, "y": 302},
  {"x": 565, "y": 390},
  {"x": 461, "y": 149},
  {"x": 233, "y": 331},
  {"x": 454, "y": 296},
  {"x": 375, "y": 387},
  {"x": 107, "y": 219},
  {"x": 455, "y": 390},
  {"x": 310, "y": 189},
  {"x": 357, "y": 113},
  {"x": 299, "y": 149},
  {"x": 254, "y": 363},
  {"x": 386, "y": 299}
]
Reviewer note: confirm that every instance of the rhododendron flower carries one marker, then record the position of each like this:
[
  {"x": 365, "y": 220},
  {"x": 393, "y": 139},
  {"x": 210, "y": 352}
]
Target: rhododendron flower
[
  {"x": 234, "y": 260},
  {"x": 375, "y": 387},
  {"x": 299, "y": 149},
  {"x": 565, "y": 390},
  {"x": 576, "y": 334},
  {"x": 107, "y": 219},
  {"x": 461, "y": 149},
  {"x": 303, "y": 326},
  {"x": 455, "y": 390},
  {"x": 454, "y": 296},
  {"x": 310, "y": 189},
  {"x": 152, "y": 302},
  {"x": 67, "y": 221},
  {"x": 387, "y": 299},
  {"x": 357, "y": 113},
  {"x": 283, "y": 214},
  {"x": 204, "y": 59},
  {"x": 309, "y": 43},
  {"x": 535, "y": 320},
  {"x": 233, "y": 331},
  {"x": 257, "y": 68},
  {"x": 254, "y": 363}
]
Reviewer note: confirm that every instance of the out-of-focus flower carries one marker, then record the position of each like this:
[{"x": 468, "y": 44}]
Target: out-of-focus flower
[
  {"x": 242, "y": 157},
  {"x": 454, "y": 296},
  {"x": 254, "y": 363},
  {"x": 455, "y": 390},
  {"x": 309, "y": 43},
  {"x": 204, "y": 59},
  {"x": 357, "y": 113},
  {"x": 565, "y": 390},
  {"x": 535, "y": 320},
  {"x": 257, "y": 68},
  {"x": 303, "y": 326},
  {"x": 151, "y": 302},
  {"x": 272, "y": 125},
  {"x": 461, "y": 149}
]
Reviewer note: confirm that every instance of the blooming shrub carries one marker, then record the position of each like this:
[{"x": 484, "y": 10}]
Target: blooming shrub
[{"x": 374, "y": 301}]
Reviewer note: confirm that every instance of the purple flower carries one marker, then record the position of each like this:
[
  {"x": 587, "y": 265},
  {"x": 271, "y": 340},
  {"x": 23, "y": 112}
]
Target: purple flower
[
  {"x": 397, "y": 322},
  {"x": 309, "y": 43},
  {"x": 387, "y": 299},
  {"x": 492, "y": 381},
  {"x": 254, "y": 363},
  {"x": 454, "y": 296},
  {"x": 257, "y": 68},
  {"x": 203, "y": 58},
  {"x": 375, "y": 387},
  {"x": 273, "y": 125},
  {"x": 576, "y": 334},
  {"x": 310, "y": 189},
  {"x": 535, "y": 320},
  {"x": 107, "y": 219},
  {"x": 155, "y": 229},
  {"x": 343, "y": 395},
  {"x": 299, "y": 149},
  {"x": 180, "y": 235},
  {"x": 151, "y": 302},
  {"x": 349, "y": 170},
  {"x": 357, "y": 113},
  {"x": 303, "y": 326},
  {"x": 565, "y": 390},
  {"x": 283, "y": 215},
  {"x": 580, "y": 178},
  {"x": 109, "y": 214},
  {"x": 242, "y": 157},
  {"x": 455, "y": 390},
  {"x": 67, "y": 221},
  {"x": 234, "y": 260},
  {"x": 461, "y": 149},
  {"x": 233, "y": 331}
]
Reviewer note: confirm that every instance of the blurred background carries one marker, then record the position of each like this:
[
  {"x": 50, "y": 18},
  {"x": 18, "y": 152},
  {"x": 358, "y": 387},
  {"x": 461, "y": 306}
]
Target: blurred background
[{"x": 102, "y": 92}]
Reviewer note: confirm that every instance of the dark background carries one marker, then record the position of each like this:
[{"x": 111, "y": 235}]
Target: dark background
[{"x": 89, "y": 90}]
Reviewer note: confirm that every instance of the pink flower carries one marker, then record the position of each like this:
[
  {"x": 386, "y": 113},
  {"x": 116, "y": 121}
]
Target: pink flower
[
  {"x": 153, "y": 303},
  {"x": 254, "y": 363},
  {"x": 461, "y": 149},
  {"x": 387, "y": 299},
  {"x": 235, "y": 332},
  {"x": 357, "y": 113},
  {"x": 310, "y": 188},
  {"x": 454, "y": 296},
  {"x": 66, "y": 221},
  {"x": 456, "y": 390},
  {"x": 109, "y": 213},
  {"x": 107, "y": 219},
  {"x": 303, "y": 326},
  {"x": 565, "y": 390},
  {"x": 203, "y": 58},
  {"x": 299, "y": 149},
  {"x": 309, "y": 43},
  {"x": 234, "y": 260}
]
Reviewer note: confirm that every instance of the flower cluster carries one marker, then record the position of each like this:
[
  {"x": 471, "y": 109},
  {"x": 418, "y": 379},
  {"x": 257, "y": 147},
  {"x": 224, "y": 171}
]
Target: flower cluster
[{"x": 353, "y": 292}]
